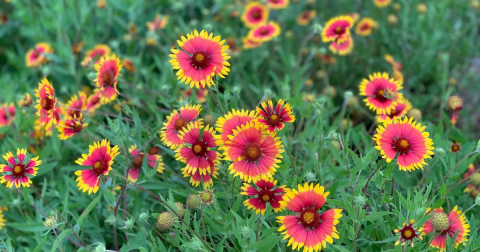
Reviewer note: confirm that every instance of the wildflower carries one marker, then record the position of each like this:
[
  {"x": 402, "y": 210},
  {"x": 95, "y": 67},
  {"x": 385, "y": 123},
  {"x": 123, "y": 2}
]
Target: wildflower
[
  {"x": 71, "y": 126},
  {"x": 381, "y": 92},
  {"x": 200, "y": 94},
  {"x": 35, "y": 57},
  {"x": 405, "y": 140},
  {"x": 422, "y": 8},
  {"x": 442, "y": 225},
  {"x": 207, "y": 178},
  {"x": 180, "y": 209},
  {"x": 264, "y": 194},
  {"x": 253, "y": 152},
  {"x": 108, "y": 70},
  {"x": 95, "y": 54},
  {"x": 255, "y": 14},
  {"x": 265, "y": 32},
  {"x": 277, "y": 4},
  {"x": 408, "y": 233},
  {"x": 365, "y": 26},
  {"x": 305, "y": 17},
  {"x": 93, "y": 101},
  {"x": 100, "y": 159},
  {"x": 455, "y": 103},
  {"x": 197, "y": 148},
  {"x": 201, "y": 58},
  {"x": 46, "y": 103},
  {"x": 154, "y": 161},
  {"x": 337, "y": 29},
  {"x": 455, "y": 147},
  {"x": 101, "y": 4},
  {"x": 193, "y": 201},
  {"x": 18, "y": 171},
  {"x": 164, "y": 221},
  {"x": 158, "y": 23},
  {"x": 76, "y": 105},
  {"x": 229, "y": 122},
  {"x": 392, "y": 19},
  {"x": 50, "y": 222},
  {"x": 26, "y": 101},
  {"x": 275, "y": 117},
  {"x": 342, "y": 48},
  {"x": 176, "y": 122},
  {"x": 382, "y": 3},
  {"x": 207, "y": 196},
  {"x": 249, "y": 43},
  {"x": 400, "y": 110},
  {"x": 7, "y": 114},
  {"x": 308, "y": 228},
  {"x": 128, "y": 65},
  {"x": 77, "y": 47}
]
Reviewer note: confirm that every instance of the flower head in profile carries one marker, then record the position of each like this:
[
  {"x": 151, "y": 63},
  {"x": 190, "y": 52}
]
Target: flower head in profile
[
  {"x": 406, "y": 140},
  {"x": 400, "y": 110},
  {"x": 207, "y": 178},
  {"x": 275, "y": 117},
  {"x": 46, "y": 103},
  {"x": 35, "y": 57},
  {"x": 154, "y": 161},
  {"x": 77, "y": 47},
  {"x": 175, "y": 124},
  {"x": 255, "y": 14},
  {"x": 398, "y": 76},
  {"x": 231, "y": 121},
  {"x": 198, "y": 143},
  {"x": 277, "y": 4},
  {"x": 94, "y": 101},
  {"x": 305, "y": 17},
  {"x": 265, "y": 32},
  {"x": 310, "y": 227},
  {"x": 7, "y": 114},
  {"x": 365, "y": 26},
  {"x": 19, "y": 171},
  {"x": 342, "y": 48},
  {"x": 381, "y": 93},
  {"x": 253, "y": 151},
  {"x": 264, "y": 192},
  {"x": 45, "y": 124},
  {"x": 129, "y": 66},
  {"x": 441, "y": 225},
  {"x": 158, "y": 23},
  {"x": 99, "y": 162},
  {"x": 337, "y": 29},
  {"x": 249, "y": 43},
  {"x": 396, "y": 65},
  {"x": 95, "y": 54},
  {"x": 108, "y": 70},
  {"x": 408, "y": 233},
  {"x": 73, "y": 125},
  {"x": 200, "y": 94},
  {"x": 200, "y": 57},
  {"x": 26, "y": 101},
  {"x": 76, "y": 105},
  {"x": 382, "y": 3}
]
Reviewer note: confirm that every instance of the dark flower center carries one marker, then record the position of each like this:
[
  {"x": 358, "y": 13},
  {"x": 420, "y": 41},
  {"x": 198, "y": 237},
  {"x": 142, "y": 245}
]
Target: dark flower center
[
  {"x": 455, "y": 148},
  {"x": 36, "y": 53},
  {"x": 257, "y": 14},
  {"x": 266, "y": 195},
  {"x": 339, "y": 31},
  {"x": 26, "y": 102},
  {"x": 19, "y": 170},
  {"x": 408, "y": 233},
  {"x": 365, "y": 27},
  {"x": 95, "y": 100},
  {"x": 264, "y": 31},
  {"x": 47, "y": 103},
  {"x": 155, "y": 150},
  {"x": 310, "y": 218},
  {"x": 108, "y": 78},
  {"x": 100, "y": 167},
  {"x": 200, "y": 60},
  {"x": 180, "y": 123},
  {"x": 199, "y": 148},
  {"x": 380, "y": 94},
  {"x": 77, "y": 126},
  {"x": 138, "y": 161},
  {"x": 252, "y": 152},
  {"x": 274, "y": 119},
  {"x": 402, "y": 146}
]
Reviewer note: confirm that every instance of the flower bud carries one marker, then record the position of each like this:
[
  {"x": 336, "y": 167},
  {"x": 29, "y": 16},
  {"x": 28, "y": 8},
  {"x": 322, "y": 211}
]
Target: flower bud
[
  {"x": 475, "y": 179},
  {"x": 475, "y": 4},
  {"x": 129, "y": 223},
  {"x": 206, "y": 196},
  {"x": 454, "y": 102},
  {"x": 330, "y": 91},
  {"x": 236, "y": 90},
  {"x": 332, "y": 135},
  {"x": 392, "y": 19},
  {"x": 209, "y": 120},
  {"x": 359, "y": 201},
  {"x": 180, "y": 209},
  {"x": 347, "y": 95},
  {"x": 143, "y": 217},
  {"x": 310, "y": 176},
  {"x": 208, "y": 27},
  {"x": 415, "y": 114},
  {"x": 193, "y": 201},
  {"x": 440, "y": 152},
  {"x": 422, "y": 8},
  {"x": 440, "y": 221},
  {"x": 164, "y": 221},
  {"x": 50, "y": 222},
  {"x": 100, "y": 248},
  {"x": 245, "y": 231},
  {"x": 397, "y": 6},
  {"x": 92, "y": 76}
]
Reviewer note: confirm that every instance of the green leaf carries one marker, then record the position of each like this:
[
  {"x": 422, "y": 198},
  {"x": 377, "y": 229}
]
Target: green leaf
[
  {"x": 46, "y": 168},
  {"x": 443, "y": 189},
  {"x": 39, "y": 247},
  {"x": 60, "y": 238},
  {"x": 87, "y": 210},
  {"x": 267, "y": 244},
  {"x": 376, "y": 215},
  {"x": 33, "y": 227}
]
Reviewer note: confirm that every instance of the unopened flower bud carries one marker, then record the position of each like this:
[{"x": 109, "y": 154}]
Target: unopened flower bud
[
  {"x": 392, "y": 19},
  {"x": 347, "y": 95},
  {"x": 193, "y": 201},
  {"x": 129, "y": 223},
  {"x": 164, "y": 221},
  {"x": 475, "y": 179},
  {"x": 208, "y": 27},
  {"x": 100, "y": 248},
  {"x": 92, "y": 76},
  {"x": 422, "y": 8},
  {"x": 143, "y": 217},
  {"x": 245, "y": 231},
  {"x": 310, "y": 177},
  {"x": 359, "y": 201},
  {"x": 209, "y": 120},
  {"x": 415, "y": 114},
  {"x": 180, "y": 209},
  {"x": 236, "y": 90},
  {"x": 332, "y": 135},
  {"x": 440, "y": 151},
  {"x": 50, "y": 222}
]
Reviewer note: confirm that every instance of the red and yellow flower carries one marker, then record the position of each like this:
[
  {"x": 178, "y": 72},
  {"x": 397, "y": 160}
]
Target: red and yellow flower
[
  {"x": 277, "y": 4},
  {"x": 7, "y": 114},
  {"x": 254, "y": 152},
  {"x": 207, "y": 178},
  {"x": 305, "y": 17},
  {"x": 381, "y": 92},
  {"x": 201, "y": 57},
  {"x": 73, "y": 125},
  {"x": 176, "y": 122},
  {"x": 94, "y": 101},
  {"x": 263, "y": 195},
  {"x": 400, "y": 110},
  {"x": 455, "y": 147},
  {"x": 35, "y": 57},
  {"x": 45, "y": 123},
  {"x": 197, "y": 148},
  {"x": 108, "y": 69},
  {"x": 382, "y": 3},
  {"x": 264, "y": 32},
  {"x": 275, "y": 117},
  {"x": 342, "y": 48},
  {"x": 249, "y": 43},
  {"x": 76, "y": 105},
  {"x": 26, "y": 101},
  {"x": 128, "y": 64},
  {"x": 337, "y": 29},
  {"x": 46, "y": 105},
  {"x": 255, "y": 14},
  {"x": 231, "y": 121},
  {"x": 200, "y": 94},
  {"x": 365, "y": 26},
  {"x": 408, "y": 233},
  {"x": 308, "y": 227},
  {"x": 154, "y": 160},
  {"x": 19, "y": 171},
  {"x": 470, "y": 172},
  {"x": 441, "y": 225},
  {"x": 159, "y": 22},
  {"x": 95, "y": 54},
  {"x": 405, "y": 140},
  {"x": 99, "y": 159},
  {"x": 396, "y": 65}
]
